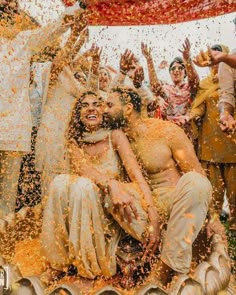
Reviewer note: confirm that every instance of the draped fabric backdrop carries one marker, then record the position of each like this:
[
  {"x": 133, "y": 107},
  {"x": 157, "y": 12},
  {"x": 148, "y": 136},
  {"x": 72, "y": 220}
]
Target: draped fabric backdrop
[{"x": 153, "y": 12}]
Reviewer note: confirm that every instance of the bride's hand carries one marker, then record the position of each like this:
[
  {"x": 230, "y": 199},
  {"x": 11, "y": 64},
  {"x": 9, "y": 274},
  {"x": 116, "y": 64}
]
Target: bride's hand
[{"x": 122, "y": 201}]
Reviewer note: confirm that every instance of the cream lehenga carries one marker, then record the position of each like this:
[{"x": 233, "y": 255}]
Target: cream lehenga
[{"x": 79, "y": 225}]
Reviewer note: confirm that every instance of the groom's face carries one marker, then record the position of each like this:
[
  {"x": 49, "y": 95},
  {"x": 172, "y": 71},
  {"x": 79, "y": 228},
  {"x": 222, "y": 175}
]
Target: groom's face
[{"x": 114, "y": 114}]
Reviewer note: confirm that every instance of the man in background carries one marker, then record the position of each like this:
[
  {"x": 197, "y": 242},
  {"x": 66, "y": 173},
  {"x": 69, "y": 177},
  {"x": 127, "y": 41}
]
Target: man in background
[{"x": 17, "y": 49}]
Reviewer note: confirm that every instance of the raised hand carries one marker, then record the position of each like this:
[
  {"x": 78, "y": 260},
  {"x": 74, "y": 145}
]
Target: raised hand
[
  {"x": 202, "y": 59},
  {"x": 216, "y": 56},
  {"x": 186, "y": 49},
  {"x": 163, "y": 64},
  {"x": 127, "y": 61},
  {"x": 75, "y": 16},
  {"x": 209, "y": 58},
  {"x": 146, "y": 51},
  {"x": 138, "y": 76},
  {"x": 95, "y": 53}
]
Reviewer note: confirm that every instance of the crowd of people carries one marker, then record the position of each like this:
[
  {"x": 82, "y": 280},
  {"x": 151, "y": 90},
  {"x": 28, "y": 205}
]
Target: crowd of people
[{"x": 108, "y": 159}]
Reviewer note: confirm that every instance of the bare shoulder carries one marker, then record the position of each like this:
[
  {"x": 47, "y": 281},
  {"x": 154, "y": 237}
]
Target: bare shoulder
[
  {"x": 119, "y": 139},
  {"x": 163, "y": 129},
  {"x": 177, "y": 137},
  {"x": 117, "y": 135},
  {"x": 117, "y": 132}
]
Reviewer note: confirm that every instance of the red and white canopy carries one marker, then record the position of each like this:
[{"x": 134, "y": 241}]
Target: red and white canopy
[{"x": 153, "y": 12}]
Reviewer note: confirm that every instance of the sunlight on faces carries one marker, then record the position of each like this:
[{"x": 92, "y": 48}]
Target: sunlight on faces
[
  {"x": 177, "y": 73},
  {"x": 80, "y": 78},
  {"x": 104, "y": 79},
  {"x": 91, "y": 112}
]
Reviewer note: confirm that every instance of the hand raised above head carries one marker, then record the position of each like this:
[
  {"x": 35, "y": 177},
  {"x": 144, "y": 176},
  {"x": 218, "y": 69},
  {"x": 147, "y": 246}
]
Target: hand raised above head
[
  {"x": 95, "y": 52},
  {"x": 76, "y": 16},
  {"x": 138, "y": 76},
  {"x": 209, "y": 58},
  {"x": 127, "y": 61},
  {"x": 163, "y": 64},
  {"x": 186, "y": 49},
  {"x": 146, "y": 51}
]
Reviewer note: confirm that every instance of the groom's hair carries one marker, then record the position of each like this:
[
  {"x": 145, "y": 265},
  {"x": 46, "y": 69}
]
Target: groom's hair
[{"x": 129, "y": 95}]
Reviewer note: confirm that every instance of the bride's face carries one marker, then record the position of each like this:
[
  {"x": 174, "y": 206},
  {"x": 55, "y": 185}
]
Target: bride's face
[{"x": 91, "y": 112}]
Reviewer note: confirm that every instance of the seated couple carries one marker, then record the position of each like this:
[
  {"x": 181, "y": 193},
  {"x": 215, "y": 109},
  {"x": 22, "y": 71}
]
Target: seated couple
[{"x": 87, "y": 209}]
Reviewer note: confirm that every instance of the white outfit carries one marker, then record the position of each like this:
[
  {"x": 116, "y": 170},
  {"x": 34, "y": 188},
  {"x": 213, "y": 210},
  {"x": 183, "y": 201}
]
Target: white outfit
[
  {"x": 15, "y": 56},
  {"x": 51, "y": 158},
  {"x": 15, "y": 114},
  {"x": 37, "y": 90}
]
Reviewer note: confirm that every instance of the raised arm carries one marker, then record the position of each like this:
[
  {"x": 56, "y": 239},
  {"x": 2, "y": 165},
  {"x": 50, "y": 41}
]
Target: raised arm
[
  {"x": 83, "y": 38},
  {"x": 65, "y": 56},
  {"x": 214, "y": 57},
  {"x": 93, "y": 77},
  {"x": 193, "y": 78},
  {"x": 229, "y": 59},
  {"x": 143, "y": 91},
  {"x": 154, "y": 81},
  {"x": 126, "y": 64},
  {"x": 45, "y": 36},
  {"x": 122, "y": 145},
  {"x": 130, "y": 67}
]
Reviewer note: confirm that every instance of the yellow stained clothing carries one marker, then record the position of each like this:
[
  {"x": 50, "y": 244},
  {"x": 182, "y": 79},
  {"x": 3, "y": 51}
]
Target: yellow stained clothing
[
  {"x": 217, "y": 149},
  {"x": 183, "y": 207},
  {"x": 214, "y": 144},
  {"x": 79, "y": 225}
]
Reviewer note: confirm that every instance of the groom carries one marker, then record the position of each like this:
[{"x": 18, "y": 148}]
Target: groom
[{"x": 181, "y": 191}]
